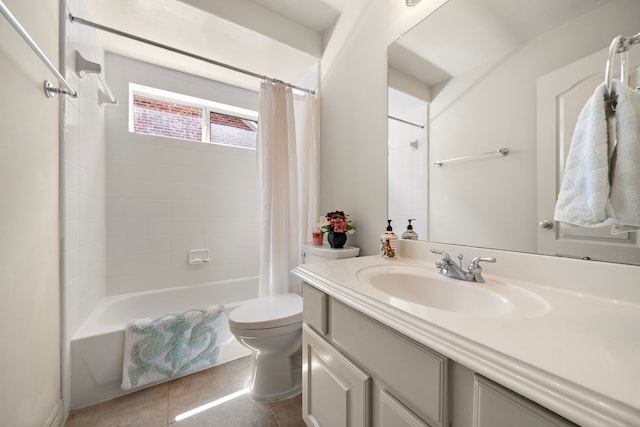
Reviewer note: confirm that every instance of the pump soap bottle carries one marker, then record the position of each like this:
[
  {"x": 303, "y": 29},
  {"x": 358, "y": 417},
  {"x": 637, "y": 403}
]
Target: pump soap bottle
[
  {"x": 410, "y": 234},
  {"x": 389, "y": 244}
]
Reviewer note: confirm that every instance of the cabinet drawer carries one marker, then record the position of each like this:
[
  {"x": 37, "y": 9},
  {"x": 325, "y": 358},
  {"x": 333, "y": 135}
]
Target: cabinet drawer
[
  {"x": 412, "y": 373},
  {"x": 394, "y": 414},
  {"x": 314, "y": 312},
  {"x": 496, "y": 406}
]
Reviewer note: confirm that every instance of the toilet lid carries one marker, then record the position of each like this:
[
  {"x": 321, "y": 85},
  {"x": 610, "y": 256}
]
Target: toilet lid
[{"x": 267, "y": 312}]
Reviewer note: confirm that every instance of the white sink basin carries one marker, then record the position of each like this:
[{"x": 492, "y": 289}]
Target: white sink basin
[{"x": 411, "y": 287}]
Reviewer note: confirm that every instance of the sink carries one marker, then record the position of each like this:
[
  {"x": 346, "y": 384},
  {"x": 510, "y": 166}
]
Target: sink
[{"x": 412, "y": 288}]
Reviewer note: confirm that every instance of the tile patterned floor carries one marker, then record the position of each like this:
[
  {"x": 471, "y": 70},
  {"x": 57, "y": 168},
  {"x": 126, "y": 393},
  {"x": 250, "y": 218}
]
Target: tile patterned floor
[{"x": 158, "y": 406}]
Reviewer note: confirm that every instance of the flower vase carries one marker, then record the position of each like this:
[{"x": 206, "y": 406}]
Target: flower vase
[{"x": 337, "y": 240}]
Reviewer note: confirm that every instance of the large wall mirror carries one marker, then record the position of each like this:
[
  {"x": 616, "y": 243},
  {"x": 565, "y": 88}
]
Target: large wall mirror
[{"x": 480, "y": 76}]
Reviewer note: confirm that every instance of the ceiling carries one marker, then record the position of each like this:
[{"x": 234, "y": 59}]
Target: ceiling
[
  {"x": 464, "y": 35},
  {"x": 281, "y": 39}
]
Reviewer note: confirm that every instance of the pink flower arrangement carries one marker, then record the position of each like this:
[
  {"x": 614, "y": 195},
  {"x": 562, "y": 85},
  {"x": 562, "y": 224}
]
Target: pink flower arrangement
[{"x": 337, "y": 222}]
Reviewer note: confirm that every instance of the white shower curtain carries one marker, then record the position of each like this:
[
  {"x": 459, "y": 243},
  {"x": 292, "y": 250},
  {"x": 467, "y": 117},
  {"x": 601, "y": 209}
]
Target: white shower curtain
[{"x": 288, "y": 175}]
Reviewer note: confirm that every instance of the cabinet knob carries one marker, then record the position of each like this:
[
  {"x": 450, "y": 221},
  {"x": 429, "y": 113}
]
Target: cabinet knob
[{"x": 545, "y": 224}]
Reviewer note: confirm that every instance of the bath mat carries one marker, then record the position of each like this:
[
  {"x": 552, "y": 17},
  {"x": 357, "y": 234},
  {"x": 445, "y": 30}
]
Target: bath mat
[{"x": 172, "y": 345}]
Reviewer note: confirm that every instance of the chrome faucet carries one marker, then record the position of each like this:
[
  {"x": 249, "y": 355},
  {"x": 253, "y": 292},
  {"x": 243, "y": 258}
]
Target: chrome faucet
[{"x": 449, "y": 268}]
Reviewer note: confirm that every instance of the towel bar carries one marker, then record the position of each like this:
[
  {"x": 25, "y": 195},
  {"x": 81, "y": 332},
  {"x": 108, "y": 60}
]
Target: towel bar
[{"x": 501, "y": 151}]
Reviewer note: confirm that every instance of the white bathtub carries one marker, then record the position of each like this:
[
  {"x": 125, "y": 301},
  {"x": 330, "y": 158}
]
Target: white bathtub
[{"x": 97, "y": 347}]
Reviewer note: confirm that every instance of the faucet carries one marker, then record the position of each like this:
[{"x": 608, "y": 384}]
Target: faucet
[{"x": 450, "y": 269}]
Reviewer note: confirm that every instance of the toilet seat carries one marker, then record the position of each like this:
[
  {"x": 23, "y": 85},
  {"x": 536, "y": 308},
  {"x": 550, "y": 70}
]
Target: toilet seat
[{"x": 276, "y": 311}]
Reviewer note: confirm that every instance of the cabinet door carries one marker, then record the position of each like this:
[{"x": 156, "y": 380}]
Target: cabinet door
[
  {"x": 415, "y": 375},
  {"x": 335, "y": 392},
  {"x": 395, "y": 414},
  {"x": 496, "y": 406}
]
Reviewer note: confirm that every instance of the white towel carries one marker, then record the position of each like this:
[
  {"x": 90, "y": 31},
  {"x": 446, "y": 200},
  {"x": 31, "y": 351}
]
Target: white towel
[
  {"x": 625, "y": 164},
  {"x": 584, "y": 195},
  {"x": 172, "y": 345}
]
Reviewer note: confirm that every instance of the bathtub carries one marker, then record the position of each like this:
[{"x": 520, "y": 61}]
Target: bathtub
[{"x": 98, "y": 345}]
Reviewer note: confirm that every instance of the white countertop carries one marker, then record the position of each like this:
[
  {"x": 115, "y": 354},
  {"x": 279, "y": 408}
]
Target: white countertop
[{"x": 579, "y": 356}]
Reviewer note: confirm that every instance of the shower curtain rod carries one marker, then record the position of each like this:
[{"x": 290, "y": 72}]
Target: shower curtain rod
[{"x": 183, "y": 52}]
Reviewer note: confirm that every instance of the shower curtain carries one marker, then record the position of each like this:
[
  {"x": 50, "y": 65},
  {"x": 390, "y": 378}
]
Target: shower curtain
[{"x": 288, "y": 175}]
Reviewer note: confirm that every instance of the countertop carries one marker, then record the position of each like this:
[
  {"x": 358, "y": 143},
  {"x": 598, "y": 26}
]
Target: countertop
[{"x": 576, "y": 354}]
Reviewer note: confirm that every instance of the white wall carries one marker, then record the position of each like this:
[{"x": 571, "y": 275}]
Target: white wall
[
  {"x": 82, "y": 187},
  {"x": 167, "y": 196},
  {"x": 29, "y": 237}
]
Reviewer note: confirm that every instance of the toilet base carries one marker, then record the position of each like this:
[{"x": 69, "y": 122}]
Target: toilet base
[{"x": 275, "y": 378}]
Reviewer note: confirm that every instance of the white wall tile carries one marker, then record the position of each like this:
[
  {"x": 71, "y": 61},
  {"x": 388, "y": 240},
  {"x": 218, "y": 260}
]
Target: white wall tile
[
  {"x": 165, "y": 197},
  {"x": 70, "y": 205},
  {"x": 70, "y": 236},
  {"x": 71, "y": 266}
]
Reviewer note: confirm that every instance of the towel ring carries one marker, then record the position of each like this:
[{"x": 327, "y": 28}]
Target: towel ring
[{"x": 613, "y": 49}]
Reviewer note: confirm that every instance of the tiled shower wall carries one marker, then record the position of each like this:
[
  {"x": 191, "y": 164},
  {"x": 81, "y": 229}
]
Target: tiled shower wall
[
  {"x": 167, "y": 196},
  {"x": 82, "y": 165}
]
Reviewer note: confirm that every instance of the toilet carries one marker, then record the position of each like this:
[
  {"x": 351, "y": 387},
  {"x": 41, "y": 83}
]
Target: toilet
[
  {"x": 315, "y": 253},
  {"x": 272, "y": 328}
]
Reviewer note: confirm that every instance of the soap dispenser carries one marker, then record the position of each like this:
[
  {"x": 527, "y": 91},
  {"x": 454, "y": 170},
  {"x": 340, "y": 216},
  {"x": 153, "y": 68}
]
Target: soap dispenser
[
  {"x": 410, "y": 233},
  {"x": 389, "y": 244}
]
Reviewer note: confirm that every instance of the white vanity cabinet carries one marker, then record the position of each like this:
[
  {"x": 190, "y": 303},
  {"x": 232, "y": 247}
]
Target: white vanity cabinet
[
  {"x": 359, "y": 372},
  {"x": 348, "y": 356}
]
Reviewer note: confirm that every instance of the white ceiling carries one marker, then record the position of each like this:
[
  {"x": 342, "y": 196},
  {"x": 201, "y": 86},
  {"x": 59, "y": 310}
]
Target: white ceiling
[
  {"x": 466, "y": 34},
  {"x": 282, "y": 39}
]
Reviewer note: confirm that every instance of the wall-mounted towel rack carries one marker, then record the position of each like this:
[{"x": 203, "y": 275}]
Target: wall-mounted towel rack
[
  {"x": 625, "y": 43},
  {"x": 500, "y": 151},
  {"x": 84, "y": 66},
  {"x": 619, "y": 45},
  {"x": 49, "y": 89}
]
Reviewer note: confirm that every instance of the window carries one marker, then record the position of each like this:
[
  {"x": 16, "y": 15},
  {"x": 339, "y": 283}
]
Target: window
[
  {"x": 155, "y": 117},
  {"x": 167, "y": 114},
  {"x": 229, "y": 130}
]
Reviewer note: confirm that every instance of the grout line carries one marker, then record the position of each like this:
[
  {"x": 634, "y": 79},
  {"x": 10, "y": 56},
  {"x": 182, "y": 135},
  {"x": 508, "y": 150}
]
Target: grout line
[
  {"x": 273, "y": 415},
  {"x": 168, "y": 394}
]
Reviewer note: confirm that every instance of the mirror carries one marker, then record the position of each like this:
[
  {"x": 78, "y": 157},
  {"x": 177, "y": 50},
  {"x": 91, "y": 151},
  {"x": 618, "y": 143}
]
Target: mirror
[{"x": 478, "y": 76}]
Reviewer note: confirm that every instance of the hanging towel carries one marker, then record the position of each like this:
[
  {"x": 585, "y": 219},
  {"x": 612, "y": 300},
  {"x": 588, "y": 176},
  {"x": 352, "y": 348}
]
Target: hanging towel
[
  {"x": 172, "y": 345},
  {"x": 625, "y": 163},
  {"x": 584, "y": 194}
]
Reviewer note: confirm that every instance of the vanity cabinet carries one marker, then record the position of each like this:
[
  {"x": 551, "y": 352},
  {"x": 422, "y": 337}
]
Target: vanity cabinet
[
  {"x": 359, "y": 372},
  {"x": 403, "y": 383}
]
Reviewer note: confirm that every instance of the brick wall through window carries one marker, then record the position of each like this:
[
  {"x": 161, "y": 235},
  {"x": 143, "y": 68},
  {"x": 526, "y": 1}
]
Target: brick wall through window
[
  {"x": 155, "y": 117},
  {"x": 231, "y": 130}
]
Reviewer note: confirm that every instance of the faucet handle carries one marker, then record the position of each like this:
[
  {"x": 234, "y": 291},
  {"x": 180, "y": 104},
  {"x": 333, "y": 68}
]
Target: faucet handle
[
  {"x": 475, "y": 262},
  {"x": 475, "y": 270},
  {"x": 444, "y": 255}
]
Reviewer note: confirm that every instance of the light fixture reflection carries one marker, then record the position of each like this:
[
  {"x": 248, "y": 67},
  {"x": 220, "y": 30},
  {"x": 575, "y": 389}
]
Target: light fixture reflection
[
  {"x": 212, "y": 404},
  {"x": 411, "y": 3}
]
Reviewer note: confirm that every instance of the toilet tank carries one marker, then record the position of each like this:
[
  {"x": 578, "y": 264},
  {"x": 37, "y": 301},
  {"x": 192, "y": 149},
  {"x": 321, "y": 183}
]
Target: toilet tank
[{"x": 315, "y": 253}]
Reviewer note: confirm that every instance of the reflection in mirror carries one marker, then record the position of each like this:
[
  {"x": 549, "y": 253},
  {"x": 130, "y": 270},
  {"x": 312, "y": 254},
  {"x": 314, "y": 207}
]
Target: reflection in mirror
[
  {"x": 481, "y": 75},
  {"x": 408, "y": 156}
]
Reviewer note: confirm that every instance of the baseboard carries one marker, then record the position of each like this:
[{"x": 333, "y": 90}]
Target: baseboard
[{"x": 57, "y": 418}]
